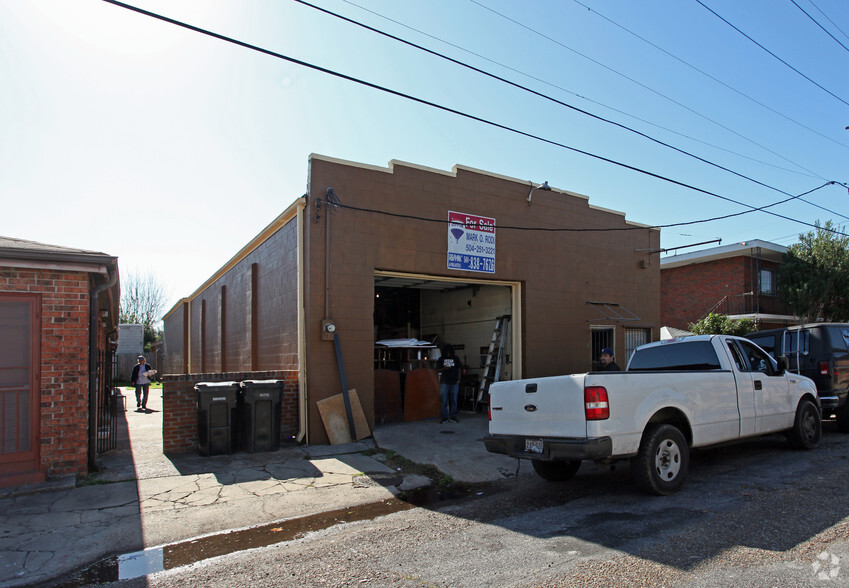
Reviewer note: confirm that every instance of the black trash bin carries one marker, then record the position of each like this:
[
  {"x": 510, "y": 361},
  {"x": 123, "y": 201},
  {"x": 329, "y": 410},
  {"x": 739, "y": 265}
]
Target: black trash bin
[
  {"x": 260, "y": 415},
  {"x": 217, "y": 417}
]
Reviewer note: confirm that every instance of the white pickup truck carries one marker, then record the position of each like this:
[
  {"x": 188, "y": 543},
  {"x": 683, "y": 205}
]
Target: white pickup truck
[{"x": 676, "y": 394}]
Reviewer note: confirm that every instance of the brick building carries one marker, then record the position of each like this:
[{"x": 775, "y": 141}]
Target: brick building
[
  {"x": 738, "y": 280},
  {"x": 58, "y": 309},
  {"x": 372, "y": 256}
]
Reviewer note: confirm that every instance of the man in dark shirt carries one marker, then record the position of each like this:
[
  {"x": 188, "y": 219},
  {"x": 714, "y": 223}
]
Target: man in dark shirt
[
  {"x": 449, "y": 368},
  {"x": 607, "y": 363}
]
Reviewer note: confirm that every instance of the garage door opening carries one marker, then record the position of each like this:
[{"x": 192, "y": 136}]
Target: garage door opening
[{"x": 415, "y": 317}]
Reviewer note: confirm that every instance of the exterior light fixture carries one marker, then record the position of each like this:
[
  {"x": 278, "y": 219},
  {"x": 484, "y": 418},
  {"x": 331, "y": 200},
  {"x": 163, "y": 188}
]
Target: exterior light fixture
[{"x": 543, "y": 186}]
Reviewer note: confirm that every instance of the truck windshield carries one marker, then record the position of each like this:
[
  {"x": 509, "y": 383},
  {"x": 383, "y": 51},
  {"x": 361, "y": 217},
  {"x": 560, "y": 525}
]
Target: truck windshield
[{"x": 687, "y": 355}]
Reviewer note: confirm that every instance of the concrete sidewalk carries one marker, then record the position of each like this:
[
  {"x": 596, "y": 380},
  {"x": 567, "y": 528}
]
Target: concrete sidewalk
[{"x": 141, "y": 498}]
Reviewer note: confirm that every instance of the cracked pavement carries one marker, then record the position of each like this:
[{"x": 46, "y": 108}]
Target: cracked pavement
[{"x": 141, "y": 498}]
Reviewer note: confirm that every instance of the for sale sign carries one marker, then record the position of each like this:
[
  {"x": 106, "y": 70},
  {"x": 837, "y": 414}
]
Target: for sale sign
[{"x": 471, "y": 242}]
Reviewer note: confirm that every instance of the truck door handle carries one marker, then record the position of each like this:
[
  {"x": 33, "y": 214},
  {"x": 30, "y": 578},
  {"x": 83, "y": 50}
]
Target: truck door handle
[
  {"x": 759, "y": 385},
  {"x": 530, "y": 388}
]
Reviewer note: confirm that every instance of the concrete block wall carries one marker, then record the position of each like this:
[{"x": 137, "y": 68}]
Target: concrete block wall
[
  {"x": 179, "y": 405},
  {"x": 175, "y": 340},
  {"x": 63, "y": 365},
  {"x": 556, "y": 272},
  {"x": 225, "y": 336}
]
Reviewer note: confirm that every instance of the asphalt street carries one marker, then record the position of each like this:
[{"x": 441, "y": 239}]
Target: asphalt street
[{"x": 755, "y": 514}]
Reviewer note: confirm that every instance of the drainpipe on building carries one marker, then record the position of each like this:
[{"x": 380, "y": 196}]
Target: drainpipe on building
[
  {"x": 303, "y": 401},
  {"x": 756, "y": 286},
  {"x": 92, "y": 368}
]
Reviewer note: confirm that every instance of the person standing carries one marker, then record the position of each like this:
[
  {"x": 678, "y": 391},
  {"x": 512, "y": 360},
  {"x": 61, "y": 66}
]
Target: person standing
[
  {"x": 607, "y": 363},
  {"x": 449, "y": 368},
  {"x": 141, "y": 381}
]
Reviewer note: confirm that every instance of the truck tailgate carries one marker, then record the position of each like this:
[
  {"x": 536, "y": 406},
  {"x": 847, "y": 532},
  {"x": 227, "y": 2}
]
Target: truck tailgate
[{"x": 545, "y": 407}]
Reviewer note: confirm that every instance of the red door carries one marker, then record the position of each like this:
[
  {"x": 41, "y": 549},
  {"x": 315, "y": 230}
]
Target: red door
[{"x": 19, "y": 392}]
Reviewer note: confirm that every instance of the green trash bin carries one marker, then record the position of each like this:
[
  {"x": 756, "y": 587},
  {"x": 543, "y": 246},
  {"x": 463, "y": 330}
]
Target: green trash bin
[
  {"x": 217, "y": 417},
  {"x": 260, "y": 415}
]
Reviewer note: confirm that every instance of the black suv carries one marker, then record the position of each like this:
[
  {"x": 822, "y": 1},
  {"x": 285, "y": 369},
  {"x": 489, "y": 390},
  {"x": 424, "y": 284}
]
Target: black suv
[{"x": 819, "y": 351}]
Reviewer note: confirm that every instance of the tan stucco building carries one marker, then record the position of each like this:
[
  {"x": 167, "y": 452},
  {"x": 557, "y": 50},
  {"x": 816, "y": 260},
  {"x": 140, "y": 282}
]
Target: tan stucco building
[{"x": 434, "y": 256}]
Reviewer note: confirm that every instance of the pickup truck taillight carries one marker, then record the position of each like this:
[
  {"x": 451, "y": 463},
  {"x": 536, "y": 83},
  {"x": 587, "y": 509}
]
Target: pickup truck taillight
[
  {"x": 596, "y": 406},
  {"x": 824, "y": 368}
]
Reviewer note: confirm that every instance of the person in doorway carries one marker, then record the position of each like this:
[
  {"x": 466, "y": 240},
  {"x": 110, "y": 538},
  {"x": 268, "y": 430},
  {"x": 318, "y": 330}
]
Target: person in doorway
[
  {"x": 607, "y": 363},
  {"x": 450, "y": 368},
  {"x": 141, "y": 380}
]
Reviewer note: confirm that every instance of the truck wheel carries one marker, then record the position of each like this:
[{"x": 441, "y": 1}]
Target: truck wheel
[
  {"x": 556, "y": 471},
  {"x": 807, "y": 428},
  {"x": 843, "y": 417},
  {"x": 662, "y": 461}
]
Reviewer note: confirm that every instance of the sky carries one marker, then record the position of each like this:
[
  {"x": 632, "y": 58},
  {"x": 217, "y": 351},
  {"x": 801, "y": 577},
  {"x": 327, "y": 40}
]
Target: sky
[{"x": 171, "y": 149}]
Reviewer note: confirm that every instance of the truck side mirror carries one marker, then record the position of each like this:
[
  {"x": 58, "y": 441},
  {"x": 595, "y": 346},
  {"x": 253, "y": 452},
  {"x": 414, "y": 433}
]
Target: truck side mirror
[{"x": 783, "y": 364}]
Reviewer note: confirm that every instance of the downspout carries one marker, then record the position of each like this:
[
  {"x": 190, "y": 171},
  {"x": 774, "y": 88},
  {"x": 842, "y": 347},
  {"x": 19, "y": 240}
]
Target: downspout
[
  {"x": 303, "y": 402},
  {"x": 92, "y": 369},
  {"x": 327, "y": 254},
  {"x": 757, "y": 289}
]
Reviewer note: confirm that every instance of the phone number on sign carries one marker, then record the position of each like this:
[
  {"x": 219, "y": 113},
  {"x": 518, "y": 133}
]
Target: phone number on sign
[
  {"x": 479, "y": 264},
  {"x": 480, "y": 249}
]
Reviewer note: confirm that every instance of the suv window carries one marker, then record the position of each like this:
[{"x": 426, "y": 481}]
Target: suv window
[
  {"x": 797, "y": 342},
  {"x": 687, "y": 355},
  {"x": 839, "y": 338}
]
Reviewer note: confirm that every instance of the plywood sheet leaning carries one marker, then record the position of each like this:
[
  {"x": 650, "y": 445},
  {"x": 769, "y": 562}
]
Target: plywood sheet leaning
[{"x": 335, "y": 419}]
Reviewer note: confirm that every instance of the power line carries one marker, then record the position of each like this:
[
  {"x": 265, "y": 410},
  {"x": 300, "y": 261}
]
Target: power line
[
  {"x": 834, "y": 24},
  {"x": 539, "y": 94},
  {"x": 771, "y": 53},
  {"x": 644, "y": 86},
  {"x": 717, "y": 80},
  {"x": 806, "y": 173},
  {"x": 816, "y": 22},
  {"x": 455, "y": 111},
  {"x": 598, "y": 230},
  {"x": 784, "y": 238},
  {"x": 824, "y": 209}
]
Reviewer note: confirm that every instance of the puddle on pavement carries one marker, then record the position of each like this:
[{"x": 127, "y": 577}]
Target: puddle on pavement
[{"x": 157, "y": 559}]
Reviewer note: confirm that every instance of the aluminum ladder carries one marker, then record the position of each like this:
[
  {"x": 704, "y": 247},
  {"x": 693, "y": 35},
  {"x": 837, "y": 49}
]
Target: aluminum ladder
[{"x": 492, "y": 365}]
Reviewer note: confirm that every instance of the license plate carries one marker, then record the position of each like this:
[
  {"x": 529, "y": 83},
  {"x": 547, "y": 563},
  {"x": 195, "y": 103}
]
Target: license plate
[{"x": 533, "y": 445}]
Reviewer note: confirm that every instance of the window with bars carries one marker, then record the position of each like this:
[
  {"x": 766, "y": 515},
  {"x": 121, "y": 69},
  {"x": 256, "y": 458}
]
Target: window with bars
[
  {"x": 601, "y": 337},
  {"x": 633, "y": 339}
]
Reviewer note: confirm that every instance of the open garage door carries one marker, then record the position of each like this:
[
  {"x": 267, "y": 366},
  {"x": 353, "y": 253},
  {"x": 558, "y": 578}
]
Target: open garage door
[{"x": 415, "y": 316}]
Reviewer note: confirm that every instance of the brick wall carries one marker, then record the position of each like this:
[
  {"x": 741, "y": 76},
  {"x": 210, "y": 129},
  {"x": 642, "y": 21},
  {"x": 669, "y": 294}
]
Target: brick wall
[
  {"x": 64, "y": 357},
  {"x": 179, "y": 405},
  {"x": 689, "y": 292},
  {"x": 728, "y": 286}
]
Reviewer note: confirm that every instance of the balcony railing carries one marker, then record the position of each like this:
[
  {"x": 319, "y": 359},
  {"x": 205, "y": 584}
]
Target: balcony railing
[{"x": 747, "y": 303}]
